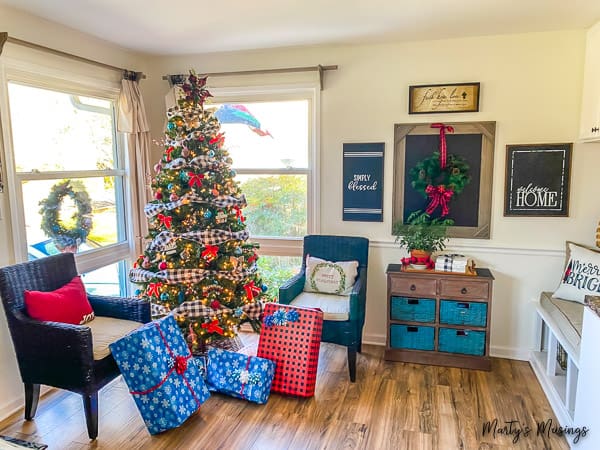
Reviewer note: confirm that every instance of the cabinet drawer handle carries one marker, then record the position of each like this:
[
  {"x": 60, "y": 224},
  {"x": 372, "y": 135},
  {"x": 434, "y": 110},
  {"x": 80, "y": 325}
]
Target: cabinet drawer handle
[
  {"x": 462, "y": 333},
  {"x": 463, "y": 305},
  {"x": 413, "y": 287},
  {"x": 412, "y": 329},
  {"x": 595, "y": 129},
  {"x": 413, "y": 301},
  {"x": 463, "y": 291}
]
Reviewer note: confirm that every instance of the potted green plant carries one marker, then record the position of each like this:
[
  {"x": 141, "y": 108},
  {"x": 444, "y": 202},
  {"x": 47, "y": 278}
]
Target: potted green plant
[{"x": 421, "y": 234}]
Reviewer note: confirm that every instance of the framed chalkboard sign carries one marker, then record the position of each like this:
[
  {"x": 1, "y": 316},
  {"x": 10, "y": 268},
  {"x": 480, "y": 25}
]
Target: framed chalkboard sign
[
  {"x": 537, "y": 180},
  {"x": 363, "y": 182}
]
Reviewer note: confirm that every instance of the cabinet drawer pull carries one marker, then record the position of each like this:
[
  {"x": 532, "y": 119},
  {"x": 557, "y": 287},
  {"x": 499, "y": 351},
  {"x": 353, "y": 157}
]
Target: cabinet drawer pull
[
  {"x": 461, "y": 332},
  {"x": 595, "y": 129},
  {"x": 463, "y": 305},
  {"x": 413, "y": 301},
  {"x": 463, "y": 291},
  {"x": 412, "y": 329},
  {"x": 413, "y": 287}
]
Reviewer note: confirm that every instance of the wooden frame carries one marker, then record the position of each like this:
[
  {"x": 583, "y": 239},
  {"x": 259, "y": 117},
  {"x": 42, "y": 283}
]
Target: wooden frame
[
  {"x": 480, "y": 190},
  {"x": 537, "y": 180},
  {"x": 443, "y": 98}
]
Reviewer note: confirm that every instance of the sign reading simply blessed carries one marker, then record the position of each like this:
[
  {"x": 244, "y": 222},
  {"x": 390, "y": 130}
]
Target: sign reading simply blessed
[{"x": 363, "y": 182}]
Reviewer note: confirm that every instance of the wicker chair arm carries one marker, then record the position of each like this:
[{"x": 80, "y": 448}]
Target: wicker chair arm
[
  {"x": 356, "y": 296},
  {"x": 291, "y": 288},
  {"x": 120, "y": 308}
]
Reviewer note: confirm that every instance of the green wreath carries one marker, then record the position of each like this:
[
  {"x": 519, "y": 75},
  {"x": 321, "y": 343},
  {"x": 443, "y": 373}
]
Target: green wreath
[
  {"x": 428, "y": 172},
  {"x": 342, "y": 284},
  {"x": 66, "y": 236}
]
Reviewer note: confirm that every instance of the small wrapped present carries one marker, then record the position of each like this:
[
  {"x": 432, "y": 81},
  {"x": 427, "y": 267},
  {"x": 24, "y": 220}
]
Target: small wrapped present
[
  {"x": 239, "y": 375},
  {"x": 161, "y": 374},
  {"x": 291, "y": 336},
  {"x": 452, "y": 263}
]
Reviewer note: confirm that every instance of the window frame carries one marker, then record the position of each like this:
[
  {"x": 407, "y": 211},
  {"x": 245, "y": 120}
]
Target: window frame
[
  {"x": 39, "y": 76},
  {"x": 285, "y": 246}
]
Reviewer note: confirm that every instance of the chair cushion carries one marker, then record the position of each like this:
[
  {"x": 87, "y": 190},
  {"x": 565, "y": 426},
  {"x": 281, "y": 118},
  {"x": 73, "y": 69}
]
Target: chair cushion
[
  {"x": 67, "y": 304},
  {"x": 567, "y": 314},
  {"x": 106, "y": 330},
  {"x": 330, "y": 277},
  {"x": 334, "y": 307}
]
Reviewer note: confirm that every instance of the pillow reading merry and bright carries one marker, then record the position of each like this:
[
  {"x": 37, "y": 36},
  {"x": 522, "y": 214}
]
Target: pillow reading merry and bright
[
  {"x": 330, "y": 277},
  {"x": 67, "y": 304},
  {"x": 581, "y": 276}
]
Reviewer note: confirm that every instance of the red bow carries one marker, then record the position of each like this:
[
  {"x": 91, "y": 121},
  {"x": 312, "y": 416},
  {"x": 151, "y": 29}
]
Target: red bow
[
  {"x": 218, "y": 139},
  {"x": 181, "y": 364},
  {"x": 210, "y": 252},
  {"x": 438, "y": 196},
  {"x": 195, "y": 178},
  {"x": 253, "y": 258},
  {"x": 168, "y": 152},
  {"x": 251, "y": 290},
  {"x": 443, "y": 146},
  {"x": 153, "y": 289},
  {"x": 165, "y": 220},
  {"x": 238, "y": 214},
  {"x": 213, "y": 327}
]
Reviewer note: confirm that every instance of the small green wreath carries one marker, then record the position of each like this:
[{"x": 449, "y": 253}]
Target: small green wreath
[
  {"x": 63, "y": 235},
  {"x": 427, "y": 172},
  {"x": 342, "y": 284}
]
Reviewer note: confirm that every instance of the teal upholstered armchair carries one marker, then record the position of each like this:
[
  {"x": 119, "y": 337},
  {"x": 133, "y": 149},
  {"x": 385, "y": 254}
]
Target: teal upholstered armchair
[{"x": 344, "y": 316}]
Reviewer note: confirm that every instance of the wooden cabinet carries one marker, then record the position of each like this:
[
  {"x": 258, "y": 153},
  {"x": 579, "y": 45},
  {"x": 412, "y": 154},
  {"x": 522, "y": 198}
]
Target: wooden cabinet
[
  {"x": 439, "y": 318},
  {"x": 589, "y": 129}
]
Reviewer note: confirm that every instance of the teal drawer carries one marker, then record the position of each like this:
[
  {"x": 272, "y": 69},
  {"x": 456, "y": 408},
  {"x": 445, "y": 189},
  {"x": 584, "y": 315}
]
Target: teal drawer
[
  {"x": 412, "y": 337},
  {"x": 463, "y": 313},
  {"x": 467, "y": 342},
  {"x": 412, "y": 309}
]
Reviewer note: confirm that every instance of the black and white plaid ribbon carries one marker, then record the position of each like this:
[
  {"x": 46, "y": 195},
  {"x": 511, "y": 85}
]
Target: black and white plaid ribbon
[
  {"x": 221, "y": 201},
  {"x": 197, "y": 309},
  {"x": 199, "y": 162},
  {"x": 178, "y": 276},
  {"x": 205, "y": 237}
]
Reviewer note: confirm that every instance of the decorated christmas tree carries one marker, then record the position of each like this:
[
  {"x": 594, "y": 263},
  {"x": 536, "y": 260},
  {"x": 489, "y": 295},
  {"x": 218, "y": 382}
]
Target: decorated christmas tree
[{"x": 198, "y": 264}]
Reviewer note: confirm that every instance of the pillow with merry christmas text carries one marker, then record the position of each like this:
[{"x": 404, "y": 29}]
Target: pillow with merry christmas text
[
  {"x": 581, "y": 276},
  {"x": 329, "y": 277}
]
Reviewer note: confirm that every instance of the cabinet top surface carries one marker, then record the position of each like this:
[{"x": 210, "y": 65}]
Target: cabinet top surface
[{"x": 481, "y": 273}]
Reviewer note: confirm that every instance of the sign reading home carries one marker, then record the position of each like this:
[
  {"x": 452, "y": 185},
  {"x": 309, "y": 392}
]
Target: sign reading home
[
  {"x": 363, "y": 182},
  {"x": 537, "y": 180}
]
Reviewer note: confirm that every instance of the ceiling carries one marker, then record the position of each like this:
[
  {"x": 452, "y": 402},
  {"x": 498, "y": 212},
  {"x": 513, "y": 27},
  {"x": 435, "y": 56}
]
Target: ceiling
[{"x": 169, "y": 27}]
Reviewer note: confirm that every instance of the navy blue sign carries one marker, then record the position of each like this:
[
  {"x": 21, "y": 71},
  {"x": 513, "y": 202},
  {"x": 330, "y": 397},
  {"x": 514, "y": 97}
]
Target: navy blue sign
[{"x": 363, "y": 182}]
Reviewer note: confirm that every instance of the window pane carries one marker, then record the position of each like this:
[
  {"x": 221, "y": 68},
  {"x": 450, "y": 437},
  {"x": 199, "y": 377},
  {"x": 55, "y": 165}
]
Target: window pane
[
  {"x": 64, "y": 231},
  {"x": 276, "y": 204},
  {"x": 107, "y": 280},
  {"x": 266, "y": 135},
  {"x": 54, "y": 131},
  {"x": 276, "y": 270}
]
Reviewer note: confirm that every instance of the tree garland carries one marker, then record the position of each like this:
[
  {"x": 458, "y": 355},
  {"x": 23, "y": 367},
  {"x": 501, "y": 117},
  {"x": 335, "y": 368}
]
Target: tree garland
[
  {"x": 427, "y": 172},
  {"x": 50, "y": 208}
]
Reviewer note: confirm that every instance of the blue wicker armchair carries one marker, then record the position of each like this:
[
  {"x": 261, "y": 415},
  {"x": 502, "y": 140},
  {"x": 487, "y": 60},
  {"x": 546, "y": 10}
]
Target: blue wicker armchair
[
  {"x": 346, "y": 332},
  {"x": 59, "y": 354}
]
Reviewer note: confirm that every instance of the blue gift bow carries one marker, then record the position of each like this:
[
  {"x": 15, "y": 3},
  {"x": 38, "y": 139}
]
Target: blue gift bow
[{"x": 281, "y": 317}]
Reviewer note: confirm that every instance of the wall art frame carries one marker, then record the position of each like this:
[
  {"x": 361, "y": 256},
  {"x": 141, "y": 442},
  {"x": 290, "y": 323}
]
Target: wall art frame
[
  {"x": 537, "y": 182},
  {"x": 444, "y": 98}
]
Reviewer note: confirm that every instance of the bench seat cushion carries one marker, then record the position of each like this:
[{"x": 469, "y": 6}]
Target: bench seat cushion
[
  {"x": 334, "y": 307},
  {"x": 106, "y": 330},
  {"x": 567, "y": 314}
]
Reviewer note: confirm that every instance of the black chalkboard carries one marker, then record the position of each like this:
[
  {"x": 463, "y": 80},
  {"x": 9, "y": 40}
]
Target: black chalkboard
[
  {"x": 537, "y": 180},
  {"x": 464, "y": 208}
]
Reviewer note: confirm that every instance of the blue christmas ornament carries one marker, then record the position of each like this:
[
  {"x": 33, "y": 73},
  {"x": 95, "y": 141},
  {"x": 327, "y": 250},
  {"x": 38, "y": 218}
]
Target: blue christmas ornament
[
  {"x": 171, "y": 126},
  {"x": 207, "y": 215},
  {"x": 264, "y": 288},
  {"x": 137, "y": 292},
  {"x": 164, "y": 296},
  {"x": 181, "y": 296},
  {"x": 183, "y": 176},
  {"x": 239, "y": 312},
  {"x": 170, "y": 186},
  {"x": 232, "y": 173},
  {"x": 211, "y": 153}
]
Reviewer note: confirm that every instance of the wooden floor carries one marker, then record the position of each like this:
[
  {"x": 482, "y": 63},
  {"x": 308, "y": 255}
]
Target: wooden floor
[{"x": 391, "y": 406}]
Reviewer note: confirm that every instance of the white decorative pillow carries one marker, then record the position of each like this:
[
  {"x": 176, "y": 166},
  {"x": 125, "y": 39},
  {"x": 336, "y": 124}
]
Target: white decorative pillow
[
  {"x": 330, "y": 277},
  {"x": 581, "y": 276}
]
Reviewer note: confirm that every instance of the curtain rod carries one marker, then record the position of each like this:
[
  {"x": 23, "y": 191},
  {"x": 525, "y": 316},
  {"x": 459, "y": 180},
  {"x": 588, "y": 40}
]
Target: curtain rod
[
  {"x": 4, "y": 37},
  {"x": 176, "y": 79}
]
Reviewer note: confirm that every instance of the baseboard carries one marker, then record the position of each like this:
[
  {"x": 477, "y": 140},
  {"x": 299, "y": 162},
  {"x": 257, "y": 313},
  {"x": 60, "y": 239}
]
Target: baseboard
[
  {"x": 374, "y": 339},
  {"x": 13, "y": 406},
  {"x": 498, "y": 351}
]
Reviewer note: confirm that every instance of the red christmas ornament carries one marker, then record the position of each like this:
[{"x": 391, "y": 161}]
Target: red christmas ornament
[
  {"x": 162, "y": 265},
  {"x": 215, "y": 304},
  {"x": 158, "y": 195}
]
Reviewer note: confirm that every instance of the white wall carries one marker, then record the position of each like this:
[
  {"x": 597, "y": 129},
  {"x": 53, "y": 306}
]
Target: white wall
[
  {"x": 530, "y": 85},
  {"x": 24, "y": 26}
]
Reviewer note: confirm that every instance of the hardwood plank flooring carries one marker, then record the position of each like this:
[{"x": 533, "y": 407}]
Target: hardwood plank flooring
[{"x": 391, "y": 406}]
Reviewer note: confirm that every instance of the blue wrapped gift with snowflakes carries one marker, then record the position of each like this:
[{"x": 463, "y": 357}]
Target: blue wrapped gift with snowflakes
[
  {"x": 161, "y": 374},
  {"x": 239, "y": 375}
]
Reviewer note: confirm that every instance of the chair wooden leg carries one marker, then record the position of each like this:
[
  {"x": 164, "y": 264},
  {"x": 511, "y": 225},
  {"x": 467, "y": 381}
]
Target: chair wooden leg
[
  {"x": 32, "y": 396},
  {"x": 90, "y": 404},
  {"x": 352, "y": 363}
]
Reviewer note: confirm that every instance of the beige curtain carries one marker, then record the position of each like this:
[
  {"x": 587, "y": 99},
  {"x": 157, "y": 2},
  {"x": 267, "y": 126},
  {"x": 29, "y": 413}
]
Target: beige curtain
[{"x": 132, "y": 120}]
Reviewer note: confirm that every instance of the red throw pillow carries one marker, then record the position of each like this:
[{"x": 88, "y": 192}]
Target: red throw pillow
[{"x": 67, "y": 304}]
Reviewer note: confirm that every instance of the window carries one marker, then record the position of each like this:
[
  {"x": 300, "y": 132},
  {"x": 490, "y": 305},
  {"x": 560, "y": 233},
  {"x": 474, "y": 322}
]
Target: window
[
  {"x": 271, "y": 138},
  {"x": 67, "y": 178}
]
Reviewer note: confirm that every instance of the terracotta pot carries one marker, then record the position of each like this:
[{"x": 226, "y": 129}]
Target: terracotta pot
[{"x": 420, "y": 254}]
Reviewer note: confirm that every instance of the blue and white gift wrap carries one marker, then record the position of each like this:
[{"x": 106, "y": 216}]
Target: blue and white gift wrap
[
  {"x": 239, "y": 375},
  {"x": 161, "y": 374}
]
